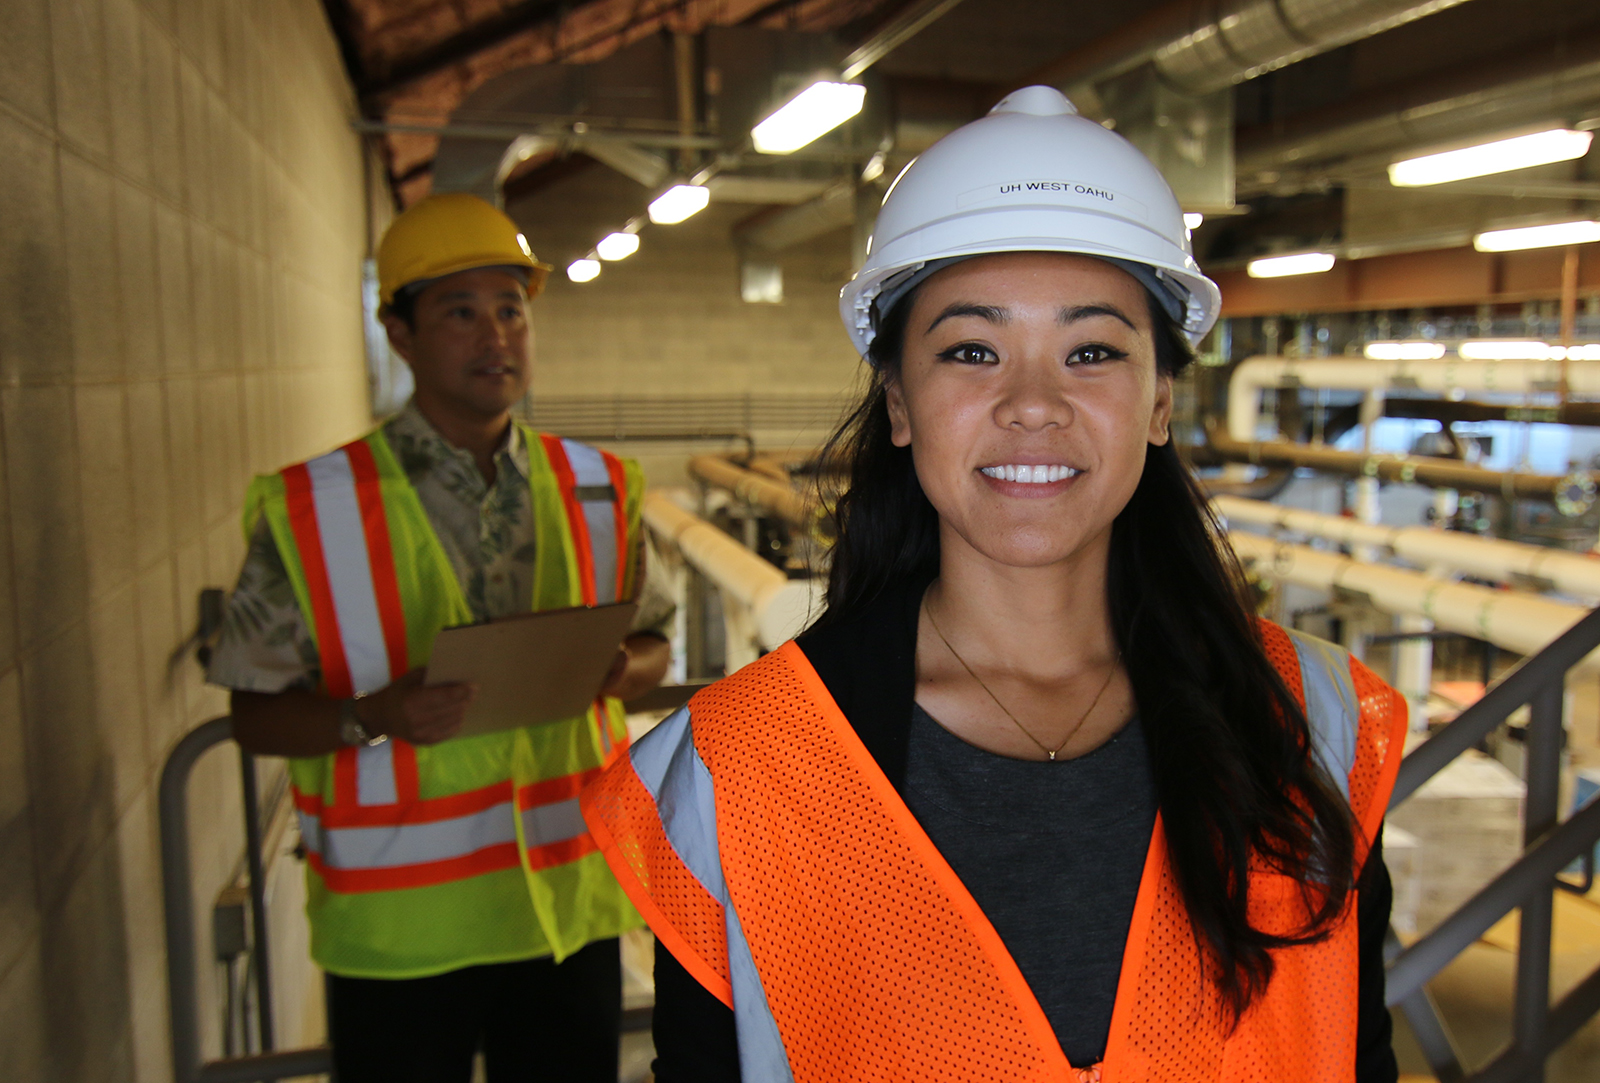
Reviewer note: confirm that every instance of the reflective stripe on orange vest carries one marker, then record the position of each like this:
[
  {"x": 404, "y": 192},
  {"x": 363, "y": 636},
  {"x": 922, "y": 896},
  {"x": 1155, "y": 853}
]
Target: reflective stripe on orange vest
[
  {"x": 800, "y": 890},
  {"x": 377, "y": 834}
]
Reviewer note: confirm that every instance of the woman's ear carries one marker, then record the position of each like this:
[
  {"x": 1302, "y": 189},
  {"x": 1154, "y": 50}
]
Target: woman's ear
[
  {"x": 1161, "y": 416},
  {"x": 899, "y": 420}
]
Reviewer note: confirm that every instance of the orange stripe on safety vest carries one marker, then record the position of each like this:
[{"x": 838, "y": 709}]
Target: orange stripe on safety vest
[
  {"x": 552, "y": 854},
  {"x": 625, "y": 824},
  {"x": 576, "y": 522},
  {"x": 399, "y": 877},
  {"x": 549, "y": 791},
  {"x": 431, "y": 810},
  {"x": 380, "y": 557},
  {"x": 619, "y": 490},
  {"x": 308, "y": 540}
]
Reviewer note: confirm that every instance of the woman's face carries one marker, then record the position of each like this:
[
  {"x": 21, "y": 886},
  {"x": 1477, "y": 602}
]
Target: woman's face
[{"x": 1022, "y": 366}]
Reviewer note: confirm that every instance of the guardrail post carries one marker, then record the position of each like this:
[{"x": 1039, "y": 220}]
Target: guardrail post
[
  {"x": 1531, "y": 1010},
  {"x": 176, "y": 884}
]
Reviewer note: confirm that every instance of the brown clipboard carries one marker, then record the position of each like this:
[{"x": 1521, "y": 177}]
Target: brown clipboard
[{"x": 533, "y": 667}]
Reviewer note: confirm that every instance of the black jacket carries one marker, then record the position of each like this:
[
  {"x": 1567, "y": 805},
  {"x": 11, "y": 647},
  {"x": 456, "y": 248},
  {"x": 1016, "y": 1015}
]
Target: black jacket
[{"x": 868, "y": 663}]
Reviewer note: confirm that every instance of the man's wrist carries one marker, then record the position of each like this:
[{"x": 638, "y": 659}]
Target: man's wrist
[{"x": 354, "y": 730}]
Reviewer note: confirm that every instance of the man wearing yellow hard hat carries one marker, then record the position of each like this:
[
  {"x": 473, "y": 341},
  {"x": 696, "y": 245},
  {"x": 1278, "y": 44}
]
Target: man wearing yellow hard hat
[{"x": 456, "y": 899}]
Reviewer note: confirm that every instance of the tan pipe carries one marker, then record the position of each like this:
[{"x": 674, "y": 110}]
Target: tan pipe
[
  {"x": 782, "y": 607},
  {"x": 1490, "y": 558},
  {"x": 759, "y": 489},
  {"x": 1576, "y": 490},
  {"x": 1518, "y": 622}
]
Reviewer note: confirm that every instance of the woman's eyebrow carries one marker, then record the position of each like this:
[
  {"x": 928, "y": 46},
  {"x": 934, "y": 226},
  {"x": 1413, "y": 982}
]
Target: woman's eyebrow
[
  {"x": 1073, "y": 313},
  {"x": 992, "y": 313}
]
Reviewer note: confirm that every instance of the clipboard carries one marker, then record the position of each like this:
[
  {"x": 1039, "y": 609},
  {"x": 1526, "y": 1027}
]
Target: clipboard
[{"x": 533, "y": 667}]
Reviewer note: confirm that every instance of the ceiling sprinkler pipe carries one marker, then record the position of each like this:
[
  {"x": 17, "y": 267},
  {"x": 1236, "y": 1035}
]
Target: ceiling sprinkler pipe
[
  {"x": 782, "y": 607},
  {"x": 1490, "y": 558},
  {"x": 1515, "y": 621}
]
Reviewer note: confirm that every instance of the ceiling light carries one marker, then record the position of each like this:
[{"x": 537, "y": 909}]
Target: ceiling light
[
  {"x": 815, "y": 111},
  {"x": 1498, "y": 350},
  {"x": 1589, "y": 352},
  {"x": 615, "y": 246},
  {"x": 874, "y": 168},
  {"x": 1540, "y": 148},
  {"x": 583, "y": 270},
  {"x": 679, "y": 202},
  {"x": 1511, "y": 240},
  {"x": 1403, "y": 351},
  {"x": 1192, "y": 219},
  {"x": 1301, "y": 263}
]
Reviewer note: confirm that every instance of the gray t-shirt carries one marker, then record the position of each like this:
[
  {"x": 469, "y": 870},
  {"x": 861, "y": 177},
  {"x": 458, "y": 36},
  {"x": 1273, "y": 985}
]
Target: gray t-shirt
[{"x": 1053, "y": 854}]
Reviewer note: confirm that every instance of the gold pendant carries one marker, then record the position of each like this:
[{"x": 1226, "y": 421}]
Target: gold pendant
[{"x": 1052, "y": 756}]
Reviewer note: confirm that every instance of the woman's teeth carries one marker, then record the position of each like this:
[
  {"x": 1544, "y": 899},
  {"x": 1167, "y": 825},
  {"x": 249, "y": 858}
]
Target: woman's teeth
[{"x": 1034, "y": 475}]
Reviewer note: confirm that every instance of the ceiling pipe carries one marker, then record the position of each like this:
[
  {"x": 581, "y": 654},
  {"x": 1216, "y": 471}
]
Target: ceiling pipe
[
  {"x": 1517, "y": 622},
  {"x": 781, "y": 607},
  {"x": 1577, "y": 574},
  {"x": 1258, "y": 374},
  {"x": 1203, "y": 46},
  {"x": 1574, "y": 491}
]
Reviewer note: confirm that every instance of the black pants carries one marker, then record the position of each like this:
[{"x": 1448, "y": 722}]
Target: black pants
[{"x": 534, "y": 1021}]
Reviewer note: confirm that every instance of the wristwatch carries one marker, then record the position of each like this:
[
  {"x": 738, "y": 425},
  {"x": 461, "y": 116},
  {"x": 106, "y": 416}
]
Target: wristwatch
[{"x": 351, "y": 731}]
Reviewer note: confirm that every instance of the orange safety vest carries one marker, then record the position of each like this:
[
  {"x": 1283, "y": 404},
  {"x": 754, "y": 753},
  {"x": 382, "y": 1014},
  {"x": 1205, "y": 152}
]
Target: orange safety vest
[{"x": 775, "y": 860}]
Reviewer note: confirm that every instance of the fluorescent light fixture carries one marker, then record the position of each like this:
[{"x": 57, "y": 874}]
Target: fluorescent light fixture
[
  {"x": 1301, "y": 263},
  {"x": 1512, "y": 240},
  {"x": 1588, "y": 352},
  {"x": 679, "y": 202},
  {"x": 615, "y": 246},
  {"x": 1403, "y": 351},
  {"x": 815, "y": 111},
  {"x": 1503, "y": 350},
  {"x": 1540, "y": 148},
  {"x": 583, "y": 270},
  {"x": 874, "y": 168},
  {"x": 1192, "y": 219}
]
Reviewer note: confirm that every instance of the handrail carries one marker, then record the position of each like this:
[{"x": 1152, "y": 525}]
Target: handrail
[
  {"x": 176, "y": 877},
  {"x": 1538, "y": 1027}
]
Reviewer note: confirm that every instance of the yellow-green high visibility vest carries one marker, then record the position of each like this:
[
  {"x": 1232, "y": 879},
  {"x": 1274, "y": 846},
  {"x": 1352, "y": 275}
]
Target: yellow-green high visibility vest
[{"x": 422, "y": 860}]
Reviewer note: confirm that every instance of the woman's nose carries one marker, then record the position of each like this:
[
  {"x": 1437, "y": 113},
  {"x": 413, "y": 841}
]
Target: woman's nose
[{"x": 1033, "y": 399}]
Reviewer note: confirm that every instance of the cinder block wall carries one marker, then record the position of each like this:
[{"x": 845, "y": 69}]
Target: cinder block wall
[{"x": 182, "y": 220}]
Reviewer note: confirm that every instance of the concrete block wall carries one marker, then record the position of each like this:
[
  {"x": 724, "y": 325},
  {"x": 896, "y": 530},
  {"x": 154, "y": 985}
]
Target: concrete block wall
[{"x": 182, "y": 220}]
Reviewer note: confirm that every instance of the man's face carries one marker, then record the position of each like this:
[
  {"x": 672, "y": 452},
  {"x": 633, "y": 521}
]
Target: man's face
[{"x": 469, "y": 346}]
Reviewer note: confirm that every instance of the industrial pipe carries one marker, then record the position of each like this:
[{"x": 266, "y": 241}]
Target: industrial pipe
[
  {"x": 781, "y": 606},
  {"x": 758, "y": 488},
  {"x": 1489, "y": 558},
  {"x": 1572, "y": 493},
  {"x": 1517, "y": 622},
  {"x": 1257, "y": 374}
]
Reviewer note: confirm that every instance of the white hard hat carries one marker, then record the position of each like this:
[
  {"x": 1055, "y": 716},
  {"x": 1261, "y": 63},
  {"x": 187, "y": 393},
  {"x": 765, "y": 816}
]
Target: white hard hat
[{"x": 1032, "y": 176}]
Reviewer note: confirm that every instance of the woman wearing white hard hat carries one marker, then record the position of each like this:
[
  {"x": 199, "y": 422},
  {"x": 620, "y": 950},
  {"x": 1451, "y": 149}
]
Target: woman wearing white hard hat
[{"x": 1037, "y": 797}]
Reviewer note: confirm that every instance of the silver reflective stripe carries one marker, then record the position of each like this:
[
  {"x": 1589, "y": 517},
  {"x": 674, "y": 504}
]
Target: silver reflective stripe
[
  {"x": 416, "y": 844},
  {"x": 344, "y": 551},
  {"x": 667, "y": 763},
  {"x": 375, "y": 784},
  {"x": 555, "y": 822},
  {"x": 589, "y": 471},
  {"x": 1331, "y": 706},
  {"x": 310, "y": 831}
]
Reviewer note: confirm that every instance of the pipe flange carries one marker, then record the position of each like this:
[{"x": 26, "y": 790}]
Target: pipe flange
[{"x": 1574, "y": 494}]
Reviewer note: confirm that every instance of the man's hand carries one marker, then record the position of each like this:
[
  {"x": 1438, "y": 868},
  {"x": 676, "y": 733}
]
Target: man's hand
[
  {"x": 638, "y": 667},
  {"x": 411, "y": 711}
]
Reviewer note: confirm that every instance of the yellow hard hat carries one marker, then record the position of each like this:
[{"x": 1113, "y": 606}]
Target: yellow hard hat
[{"x": 450, "y": 232}]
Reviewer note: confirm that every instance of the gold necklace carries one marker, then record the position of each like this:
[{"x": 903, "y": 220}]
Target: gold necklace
[{"x": 1047, "y": 750}]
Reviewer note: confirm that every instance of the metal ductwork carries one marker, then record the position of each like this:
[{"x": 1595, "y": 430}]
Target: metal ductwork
[{"x": 1241, "y": 39}]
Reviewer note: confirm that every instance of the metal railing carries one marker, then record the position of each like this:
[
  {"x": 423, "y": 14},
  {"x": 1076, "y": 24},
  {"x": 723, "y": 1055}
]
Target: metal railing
[
  {"x": 1538, "y": 1028},
  {"x": 188, "y": 1063}
]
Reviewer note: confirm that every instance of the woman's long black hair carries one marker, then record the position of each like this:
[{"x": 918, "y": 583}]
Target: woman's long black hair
[{"x": 1230, "y": 749}]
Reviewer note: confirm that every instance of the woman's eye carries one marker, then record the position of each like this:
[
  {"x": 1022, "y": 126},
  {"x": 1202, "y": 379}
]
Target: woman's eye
[
  {"x": 968, "y": 353},
  {"x": 1094, "y": 354}
]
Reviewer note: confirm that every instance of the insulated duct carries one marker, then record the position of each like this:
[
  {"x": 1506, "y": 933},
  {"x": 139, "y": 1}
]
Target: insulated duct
[{"x": 1241, "y": 39}]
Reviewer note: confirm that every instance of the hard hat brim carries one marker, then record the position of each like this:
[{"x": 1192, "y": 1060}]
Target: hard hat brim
[{"x": 537, "y": 273}]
